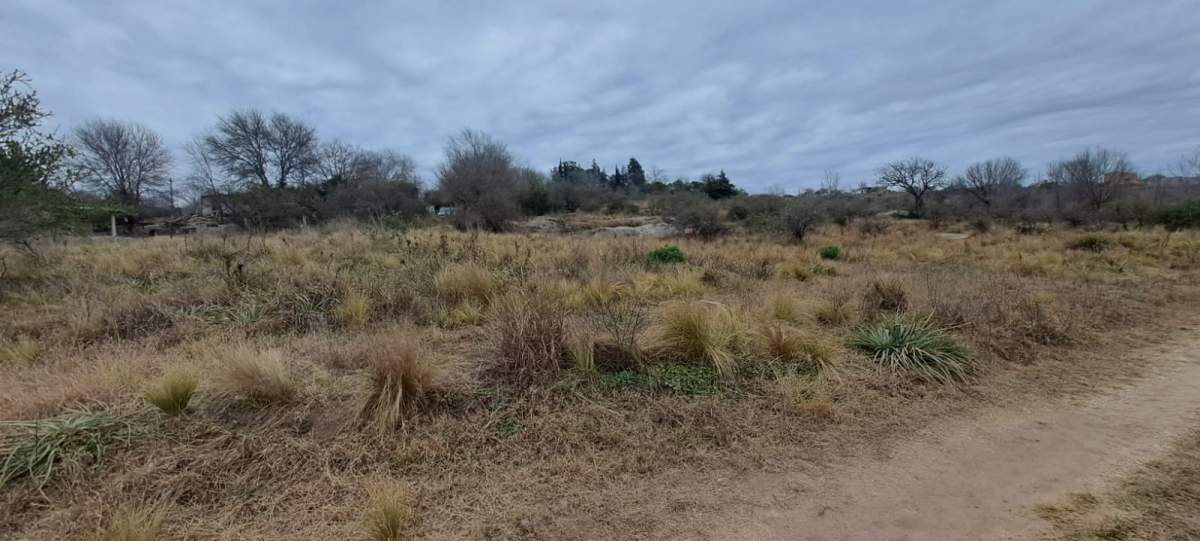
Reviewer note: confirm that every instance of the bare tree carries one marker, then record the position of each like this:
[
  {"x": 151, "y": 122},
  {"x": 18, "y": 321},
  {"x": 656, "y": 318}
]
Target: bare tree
[
  {"x": 124, "y": 160},
  {"x": 831, "y": 182},
  {"x": 336, "y": 160},
  {"x": 1189, "y": 165},
  {"x": 1096, "y": 176},
  {"x": 386, "y": 166},
  {"x": 479, "y": 176},
  {"x": 916, "y": 176},
  {"x": 268, "y": 152},
  {"x": 986, "y": 180}
]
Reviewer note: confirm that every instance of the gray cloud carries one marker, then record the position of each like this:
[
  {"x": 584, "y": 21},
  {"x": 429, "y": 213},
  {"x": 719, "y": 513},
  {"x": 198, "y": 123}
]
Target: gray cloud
[{"x": 772, "y": 92}]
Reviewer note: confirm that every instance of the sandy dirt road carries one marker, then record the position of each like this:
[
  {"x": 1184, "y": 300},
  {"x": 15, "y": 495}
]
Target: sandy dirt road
[{"x": 977, "y": 478}]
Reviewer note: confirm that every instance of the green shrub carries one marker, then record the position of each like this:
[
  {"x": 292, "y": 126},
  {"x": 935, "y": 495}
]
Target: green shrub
[
  {"x": 1181, "y": 216},
  {"x": 916, "y": 347},
  {"x": 667, "y": 254},
  {"x": 34, "y": 448},
  {"x": 172, "y": 393},
  {"x": 1091, "y": 243},
  {"x": 830, "y": 252},
  {"x": 686, "y": 379}
]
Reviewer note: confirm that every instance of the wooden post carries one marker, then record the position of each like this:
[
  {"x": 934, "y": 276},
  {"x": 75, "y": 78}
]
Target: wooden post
[{"x": 112, "y": 225}]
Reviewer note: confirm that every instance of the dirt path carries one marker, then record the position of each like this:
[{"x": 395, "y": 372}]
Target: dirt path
[{"x": 977, "y": 478}]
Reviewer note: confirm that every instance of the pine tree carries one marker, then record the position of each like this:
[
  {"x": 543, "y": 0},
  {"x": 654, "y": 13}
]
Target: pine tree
[{"x": 637, "y": 176}]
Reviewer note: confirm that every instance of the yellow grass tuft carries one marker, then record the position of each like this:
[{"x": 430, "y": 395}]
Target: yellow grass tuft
[
  {"x": 258, "y": 375},
  {"x": 391, "y": 512},
  {"x": 465, "y": 281},
  {"x": 702, "y": 331},
  {"x": 400, "y": 383},
  {"x": 134, "y": 523},
  {"x": 172, "y": 392},
  {"x": 23, "y": 350},
  {"x": 354, "y": 310}
]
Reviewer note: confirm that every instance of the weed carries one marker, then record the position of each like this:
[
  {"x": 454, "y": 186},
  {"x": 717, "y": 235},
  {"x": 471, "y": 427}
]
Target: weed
[
  {"x": 527, "y": 337},
  {"x": 824, "y": 270},
  {"x": 686, "y": 380},
  {"x": 172, "y": 392},
  {"x": 915, "y": 347}
]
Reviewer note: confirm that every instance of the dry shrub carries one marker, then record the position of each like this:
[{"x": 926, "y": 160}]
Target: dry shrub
[
  {"x": 887, "y": 295},
  {"x": 391, "y": 512},
  {"x": 400, "y": 384},
  {"x": 702, "y": 331},
  {"x": 528, "y": 335},
  {"x": 794, "y": 270},
  {"x": 794, "y": 347},
  {"x": 258, "y": 375},
  {"x": 465, "y": 282},
  {"x": 836, "y": 310},
  {"x": 134, "y": 523},
  {"x": 172, "y": 392}
]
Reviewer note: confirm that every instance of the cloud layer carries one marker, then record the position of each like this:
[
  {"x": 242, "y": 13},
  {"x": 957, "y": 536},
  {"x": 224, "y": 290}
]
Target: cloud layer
[{"x": 773, "y": 92}]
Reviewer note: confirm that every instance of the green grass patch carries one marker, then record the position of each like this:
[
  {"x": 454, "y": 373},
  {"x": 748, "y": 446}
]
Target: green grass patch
[
  {"x": 913, "y": 347},
  {"x": 666, "y": 255}
]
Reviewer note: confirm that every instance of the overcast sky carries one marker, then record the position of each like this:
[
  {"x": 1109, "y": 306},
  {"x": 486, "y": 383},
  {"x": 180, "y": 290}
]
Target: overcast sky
[{"x": 772, "y": 92}]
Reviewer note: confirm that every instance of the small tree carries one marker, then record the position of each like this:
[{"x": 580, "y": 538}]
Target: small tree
[
  {"x": 637, "y": 175},
  {"x": 800, "y": 217},
  {"x": 478, "y": 175},
  {"x": 1096, "y": 176},
  {"x": 916, "y": 176},
  {"x": 269, "y": 152}
]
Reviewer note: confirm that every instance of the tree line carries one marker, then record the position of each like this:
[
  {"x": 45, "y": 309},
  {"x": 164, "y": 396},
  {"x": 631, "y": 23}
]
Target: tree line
[{"x": 271, "y": 170}]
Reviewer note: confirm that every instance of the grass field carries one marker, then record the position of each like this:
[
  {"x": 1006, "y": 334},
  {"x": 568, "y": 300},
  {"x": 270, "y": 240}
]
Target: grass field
[{"x": 357, "y": 383}]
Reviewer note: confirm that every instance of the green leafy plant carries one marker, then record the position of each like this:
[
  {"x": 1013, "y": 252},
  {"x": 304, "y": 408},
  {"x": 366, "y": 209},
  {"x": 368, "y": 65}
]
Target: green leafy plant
[
  {"x": 35, "y": 448},
  {"x": 667, "y": 254},
  {"x": 686, "y": 379},
  {"x": 829, "y": 252},
  {"x": 915, "y": 347}
]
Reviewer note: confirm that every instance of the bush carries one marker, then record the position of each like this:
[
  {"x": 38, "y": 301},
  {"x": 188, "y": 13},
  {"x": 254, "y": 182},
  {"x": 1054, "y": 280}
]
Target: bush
[
  {"x": 702, "y": 331},
  {"x": 1090, "y": 243},
  {"x": 915, "y": 347},
  {"x": 1181, "y": 216},
  {"x": 400, "y": 384},
  {"x": 885, "y": 296},
  {"x": 34, "y": 448},
  {"x": 829, "y": 252},
  {"x": 799, "y": 218},
  {"x": 696, "y": 215},
  {"x": 667, "y": 254},
  {"x": 172, "y": 393},
  {"x": 528, "y": 338},
  {"x": 391, "y": 513},
  {"x": 260, "y": 376}
]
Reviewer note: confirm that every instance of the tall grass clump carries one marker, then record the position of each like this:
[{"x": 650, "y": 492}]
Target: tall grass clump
[
  {"x": 400, "y": 384},
  {"x": 353, "y": 310},
  {"x": 36, "y": 448},
  {"x": 785, "y": 345},
  {"x": 465, "y": 282},
  {"x": 528, "y": 337},
  {"x": 172, "y": 392},
  {"x": 885, "y": 296},
  {"x": 134, "y": 524},
  {"x": 703, "y": 332},
  {"x": 914, "y": 347},
  {"x": 258, "y": 375},
  {"x": 391, "y": 513}
]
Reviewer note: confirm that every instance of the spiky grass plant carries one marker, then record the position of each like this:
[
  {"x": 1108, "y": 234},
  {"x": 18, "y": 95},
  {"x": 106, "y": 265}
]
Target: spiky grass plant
[
  {"x": 259, "y": 375},
  {"x": 134, "y": 523},
  {"x": 913, "y": 346},
  {"x": 173, "y": 391},
  {"x": 702, "y": 331},
  {"x": 391, "y": 512},
  {"x": 37, "y": 448},
  {"x": 400, "y": 383}
]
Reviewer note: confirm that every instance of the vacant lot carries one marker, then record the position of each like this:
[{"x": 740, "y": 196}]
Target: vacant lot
[{"x": 356, "y": 383}]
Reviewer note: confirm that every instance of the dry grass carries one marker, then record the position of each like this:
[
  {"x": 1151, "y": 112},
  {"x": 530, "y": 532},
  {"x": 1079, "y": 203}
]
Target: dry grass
[
  {"x": 401, "y": 382},
  {"x": 134, "y": 523},
  {"x": 522, "y": 445},
  {"x": 391, "y": 513},
  {"x": 22, "y": 350},
  {"x": 702, "y": 332},
  {"x": 260, "y": 375}
]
